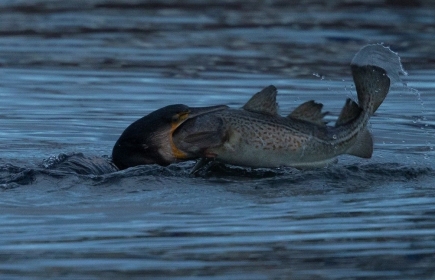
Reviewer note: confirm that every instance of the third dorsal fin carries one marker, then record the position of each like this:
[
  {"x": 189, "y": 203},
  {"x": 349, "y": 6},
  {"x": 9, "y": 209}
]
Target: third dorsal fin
[
  {"x": 263, "y": 102},
  {"x": 309, "y": 111},
  {"x": 349, "y": 112}
]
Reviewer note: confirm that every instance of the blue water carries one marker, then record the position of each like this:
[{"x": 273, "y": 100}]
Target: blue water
[{"x": 74, "y": 77}]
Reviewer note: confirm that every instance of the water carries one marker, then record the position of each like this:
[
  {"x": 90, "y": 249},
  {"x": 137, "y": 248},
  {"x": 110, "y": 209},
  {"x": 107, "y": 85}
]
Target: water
[{"x": 73, "y": 77}]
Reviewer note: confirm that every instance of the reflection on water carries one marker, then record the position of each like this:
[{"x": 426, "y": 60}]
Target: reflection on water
[{"x": 74, "y": 76}]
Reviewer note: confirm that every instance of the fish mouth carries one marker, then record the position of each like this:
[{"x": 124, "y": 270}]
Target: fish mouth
[{"x": 191, "y": 113}]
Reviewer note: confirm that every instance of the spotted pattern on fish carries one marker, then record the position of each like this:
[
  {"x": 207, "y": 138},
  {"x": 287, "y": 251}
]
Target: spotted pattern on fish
[{"x": 264, "y": 140}]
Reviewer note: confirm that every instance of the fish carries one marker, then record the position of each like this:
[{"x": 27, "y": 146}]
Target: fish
[{"x": 257, "y": 136}]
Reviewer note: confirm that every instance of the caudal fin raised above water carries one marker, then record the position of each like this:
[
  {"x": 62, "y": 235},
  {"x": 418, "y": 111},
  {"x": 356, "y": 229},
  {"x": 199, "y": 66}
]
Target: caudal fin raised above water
[
  {"x": 374, "y": 67},
  {"x": 372, "y": 85}
]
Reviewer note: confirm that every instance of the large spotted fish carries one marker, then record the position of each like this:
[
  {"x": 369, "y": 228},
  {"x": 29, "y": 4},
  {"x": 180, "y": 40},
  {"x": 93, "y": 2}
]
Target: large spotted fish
[{"x": 257, "y": 136}]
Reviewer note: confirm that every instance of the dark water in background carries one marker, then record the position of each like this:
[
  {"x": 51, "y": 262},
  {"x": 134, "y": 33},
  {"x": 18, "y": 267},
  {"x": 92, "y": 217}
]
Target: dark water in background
[{"x": 74, "y": 74}]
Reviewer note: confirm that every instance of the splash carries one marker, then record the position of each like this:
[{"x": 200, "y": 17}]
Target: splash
[
  {"x": 381, "y": 56},
  {"x": 80, "y": 164}
]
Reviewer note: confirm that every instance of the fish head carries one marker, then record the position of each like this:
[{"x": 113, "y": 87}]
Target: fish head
[
  {"x": 149, "y": 140},
  {"x": 197, "y": 135}
]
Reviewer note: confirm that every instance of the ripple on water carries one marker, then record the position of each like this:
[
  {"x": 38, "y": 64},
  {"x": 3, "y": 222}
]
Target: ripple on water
[{"x": 74, "y": 76}]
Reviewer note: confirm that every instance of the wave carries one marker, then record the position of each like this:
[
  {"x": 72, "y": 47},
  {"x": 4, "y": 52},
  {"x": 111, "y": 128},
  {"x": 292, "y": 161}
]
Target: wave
[{"x": 95, "y": 170}]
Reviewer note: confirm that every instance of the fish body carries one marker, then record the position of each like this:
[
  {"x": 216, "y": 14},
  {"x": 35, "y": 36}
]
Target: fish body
[
  {"x": 258, "y": 140},
  {"x": 257, "y": 136}
]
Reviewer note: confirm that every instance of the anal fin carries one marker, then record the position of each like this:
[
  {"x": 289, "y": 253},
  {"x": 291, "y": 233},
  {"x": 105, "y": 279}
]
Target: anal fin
[{"x": 363, "y": 146}]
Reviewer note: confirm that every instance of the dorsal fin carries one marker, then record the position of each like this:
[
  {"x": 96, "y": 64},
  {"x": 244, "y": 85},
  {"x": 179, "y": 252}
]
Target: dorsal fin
[
  {"x": 263, "y": 102},
  {"x": 349, "y": 112},
  {"x": 309, "y": 111}
]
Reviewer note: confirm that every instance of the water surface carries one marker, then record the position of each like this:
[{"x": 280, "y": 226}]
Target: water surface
[{"x": 73, "y": 77}]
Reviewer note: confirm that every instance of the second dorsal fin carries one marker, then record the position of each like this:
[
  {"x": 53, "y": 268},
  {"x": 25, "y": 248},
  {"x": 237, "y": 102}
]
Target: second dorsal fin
[
  {"x": 309, "y": 111},
  {"x": 263, "y": 102}
]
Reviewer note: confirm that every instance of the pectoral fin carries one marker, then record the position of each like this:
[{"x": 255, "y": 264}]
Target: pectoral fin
[{"x": 198, "y": 134}]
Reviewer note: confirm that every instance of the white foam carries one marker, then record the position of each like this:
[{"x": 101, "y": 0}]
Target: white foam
[{"x": 381, "y": 56}]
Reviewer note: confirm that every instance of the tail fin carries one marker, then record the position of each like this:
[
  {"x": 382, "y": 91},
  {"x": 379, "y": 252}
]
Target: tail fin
[
  {"x": 372, "y": 86},
  {"x": 370, "y": 67}
]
